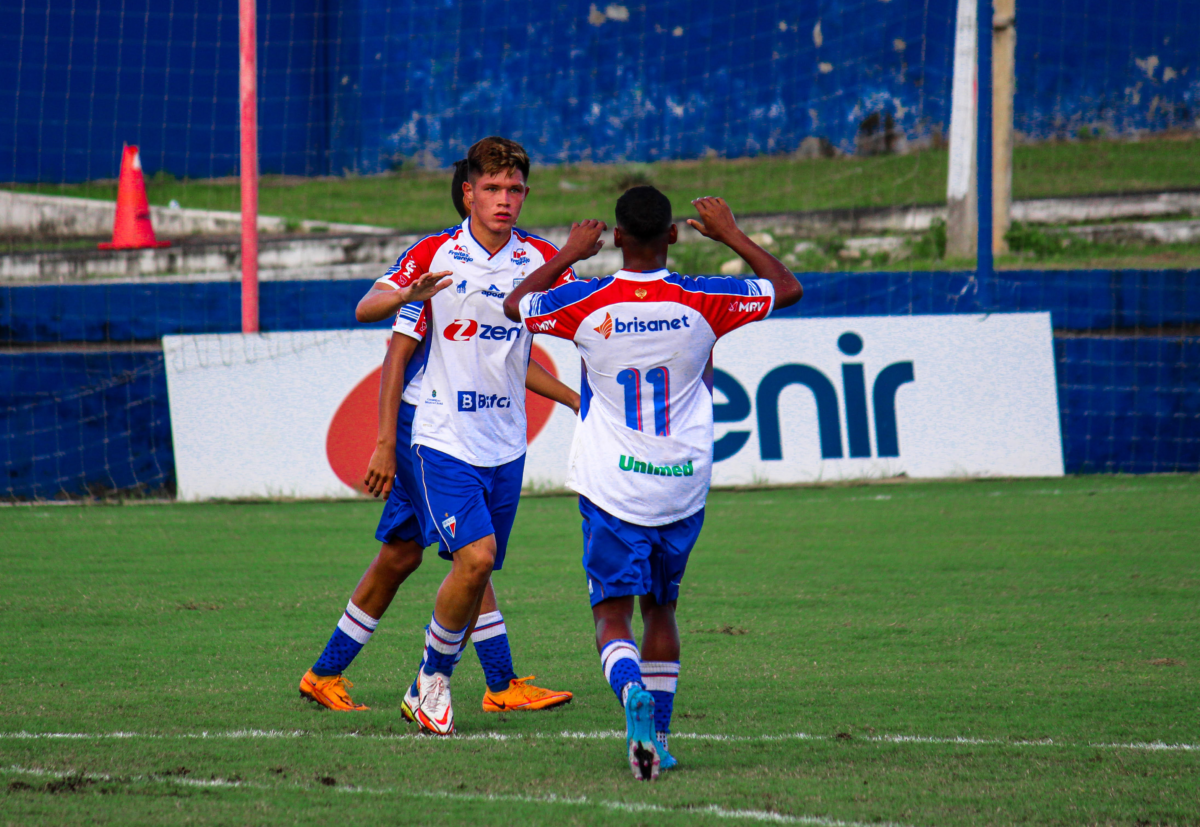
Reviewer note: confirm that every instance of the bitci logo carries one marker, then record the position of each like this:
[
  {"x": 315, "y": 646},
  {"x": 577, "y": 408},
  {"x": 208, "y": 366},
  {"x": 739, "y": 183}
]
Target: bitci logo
[{"x": 606, "y": 327}]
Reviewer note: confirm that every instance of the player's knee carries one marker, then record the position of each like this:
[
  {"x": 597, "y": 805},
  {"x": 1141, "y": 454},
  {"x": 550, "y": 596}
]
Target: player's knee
[
  {"x": 399, "y": 560},
  {"x": 475, "y": 561}
]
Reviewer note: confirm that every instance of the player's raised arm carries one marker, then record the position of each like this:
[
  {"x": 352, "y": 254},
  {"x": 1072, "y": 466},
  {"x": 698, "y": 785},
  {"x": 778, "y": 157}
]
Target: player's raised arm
[
  {"x": 717, "y": 222},
  {"x": 381, "y": 301},
  {"x": 583, "y": 242}
]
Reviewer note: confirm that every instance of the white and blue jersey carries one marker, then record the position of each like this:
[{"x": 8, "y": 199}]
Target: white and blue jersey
[
  {"x": 471, "y": 404},
  {"x": 643, "y": 445}
]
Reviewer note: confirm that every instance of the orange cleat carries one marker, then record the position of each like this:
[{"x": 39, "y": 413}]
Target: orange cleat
[
  {"x": 523, "y": 695},
  {"x": 329, "y": 691}
]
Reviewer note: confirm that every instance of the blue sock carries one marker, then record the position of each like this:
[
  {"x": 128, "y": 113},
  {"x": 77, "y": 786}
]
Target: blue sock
[
  {"x": 351, "y": 635},
  {"x": 421, "y": 665},
  {"x": 491, "y": 645},
  {"x": 443, "y": 648},
  {"x": 662, "y": 678},
  {"x": 622, "y": 666}
]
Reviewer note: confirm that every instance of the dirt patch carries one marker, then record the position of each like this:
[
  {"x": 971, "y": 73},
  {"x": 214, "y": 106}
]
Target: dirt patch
[
  {"x": 1166, "y": 662},
  {"x": 70, "y": 784},
  {"x": 723, "y": 630}
]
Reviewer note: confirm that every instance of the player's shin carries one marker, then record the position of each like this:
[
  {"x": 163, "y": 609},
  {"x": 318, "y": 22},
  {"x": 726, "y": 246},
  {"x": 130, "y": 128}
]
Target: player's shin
[
  {"x": 491, "y": 645},
  {"x": 353, "y": 631},
  {"x": 661, "y": 678},
  {"x": 622, "y": 666}
]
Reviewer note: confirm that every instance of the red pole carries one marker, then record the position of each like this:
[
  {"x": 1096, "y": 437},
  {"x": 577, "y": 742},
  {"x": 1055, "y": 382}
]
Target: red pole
[{"x": 248, "y": 98}]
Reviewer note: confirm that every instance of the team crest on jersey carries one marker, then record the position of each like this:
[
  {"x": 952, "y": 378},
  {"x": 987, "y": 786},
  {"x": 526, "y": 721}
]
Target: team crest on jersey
[
  {"x": 449, "y": 524},
  {"x": 640, "y": 292},
  {"x": 606, "y": 327},
  {"x": 460, "y": 253},
  {"x": 519, "y": 256}
]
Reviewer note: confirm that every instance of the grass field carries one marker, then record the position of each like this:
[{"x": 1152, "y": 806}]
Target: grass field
[
  {"x": 952, "y": 653},
  {"x": 417, "y": 200}
]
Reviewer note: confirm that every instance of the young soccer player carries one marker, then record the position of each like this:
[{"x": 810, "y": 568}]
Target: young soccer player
[
  {"x": 642, "y": 456},
  {"x": 468, "y": 442},
  {"x": 404, "y": 535}
]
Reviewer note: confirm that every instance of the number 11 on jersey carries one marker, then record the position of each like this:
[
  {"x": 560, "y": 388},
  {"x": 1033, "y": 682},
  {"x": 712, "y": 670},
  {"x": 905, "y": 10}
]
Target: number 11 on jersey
[{"x": 659, "y": 380}]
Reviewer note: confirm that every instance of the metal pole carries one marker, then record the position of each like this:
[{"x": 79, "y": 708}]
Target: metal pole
[
  {"x": 248, "y": 99},
  {"x": 983, "y": 164}
]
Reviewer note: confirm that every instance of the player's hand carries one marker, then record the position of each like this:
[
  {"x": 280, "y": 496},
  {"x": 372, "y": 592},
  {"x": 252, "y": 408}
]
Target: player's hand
[
  {"x": 716, "y": 219},
  {"x": 381, "y": 471},
  {"x": 584, "y": 240},
  {"x": 425, "y": 287}
]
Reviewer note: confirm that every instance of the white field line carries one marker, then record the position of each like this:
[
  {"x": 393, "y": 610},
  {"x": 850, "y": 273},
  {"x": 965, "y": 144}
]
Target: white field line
[
  {"x": 582, "y": 801},
  {"x": 596, "y": 735}
]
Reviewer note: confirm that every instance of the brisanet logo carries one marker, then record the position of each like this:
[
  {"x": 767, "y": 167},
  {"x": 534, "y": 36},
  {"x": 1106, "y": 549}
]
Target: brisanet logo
[
  {"x": 470, "y": 401},
  {"x": 829, "y": 425},
  {"x": 463, "y": 330}
]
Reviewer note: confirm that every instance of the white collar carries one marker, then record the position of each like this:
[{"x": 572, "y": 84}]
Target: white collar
[
  {"x": 642, "y": 275},
  {"x": 466, "y": 225}
]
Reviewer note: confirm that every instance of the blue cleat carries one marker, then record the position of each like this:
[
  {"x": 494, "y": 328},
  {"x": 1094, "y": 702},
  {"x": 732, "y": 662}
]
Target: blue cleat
[
  {"x": 666, "y": 761},
  {"x": 639, "y": 734}
]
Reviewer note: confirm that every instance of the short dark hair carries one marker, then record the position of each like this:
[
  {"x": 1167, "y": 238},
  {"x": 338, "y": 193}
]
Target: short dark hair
[
  {"x": 493, "y": 154},
  {"x": 644, "y": 213},
  {"x": 456, "y": 191}
]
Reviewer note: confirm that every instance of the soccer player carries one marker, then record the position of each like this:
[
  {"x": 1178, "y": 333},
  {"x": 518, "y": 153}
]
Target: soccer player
[
  {"x": 468, "y": 432},
  {"x": 404, "y": 536},
  {"x": 642, "y": 456}
]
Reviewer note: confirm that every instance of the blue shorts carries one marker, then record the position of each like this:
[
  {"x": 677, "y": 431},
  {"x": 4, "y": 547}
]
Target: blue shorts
[
  {"x": 401, "y": 519},
  {"x": 623, "y": 559},
  {"x": 464, "y": 503}
]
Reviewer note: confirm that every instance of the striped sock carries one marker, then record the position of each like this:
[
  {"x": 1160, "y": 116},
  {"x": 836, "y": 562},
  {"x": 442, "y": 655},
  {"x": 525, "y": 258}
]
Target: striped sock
[
  {"x": 662, "y": 678},
  {"x": 491, "y": 645},
  {"x": 351, "y": 635},
  {"x": 462, "y": 648},
  {"x": 622, "y": 666},
  {"x": 442, "y": 648}
]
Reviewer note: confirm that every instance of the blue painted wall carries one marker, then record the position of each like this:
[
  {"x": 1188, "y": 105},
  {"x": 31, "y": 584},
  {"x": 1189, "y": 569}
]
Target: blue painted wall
[
  {"x": 74, "y": 423},
  {"x": 358, "y": 85}
]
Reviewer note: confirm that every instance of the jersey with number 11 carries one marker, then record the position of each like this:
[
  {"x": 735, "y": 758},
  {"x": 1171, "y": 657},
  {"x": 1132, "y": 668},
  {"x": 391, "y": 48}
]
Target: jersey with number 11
[{"x": 643, "y": 445}]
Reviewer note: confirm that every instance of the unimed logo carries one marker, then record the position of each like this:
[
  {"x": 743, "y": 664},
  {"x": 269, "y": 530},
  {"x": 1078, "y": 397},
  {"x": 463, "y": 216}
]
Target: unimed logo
[{"x": 884, "y": 386}]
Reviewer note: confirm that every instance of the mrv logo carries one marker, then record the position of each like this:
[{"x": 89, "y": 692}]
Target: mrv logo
[
  {"x": 637, "y": 466},
  {"x": 829, "y": 422},
  {"x": 470, "y": 401}
]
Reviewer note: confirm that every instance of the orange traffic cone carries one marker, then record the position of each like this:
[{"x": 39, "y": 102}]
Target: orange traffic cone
[{"x": 132, "y": 230}]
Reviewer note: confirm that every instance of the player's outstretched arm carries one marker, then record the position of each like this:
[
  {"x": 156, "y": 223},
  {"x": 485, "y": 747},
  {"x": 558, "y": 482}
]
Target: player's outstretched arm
[
  {"x": 717, "y": 222},
  {"x": 583, "y": 242},
  {"x": 382, "y": 302},
  {"x": 381, "y": 470},
  {"x": 542, "y": 382}
]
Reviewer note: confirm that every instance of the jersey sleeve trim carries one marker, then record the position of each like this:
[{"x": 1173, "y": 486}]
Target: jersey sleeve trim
[
  {"x": 560, "y": 310},
  {"x": 417, "y": 259},
  {"x": 412, "y": 321}
]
